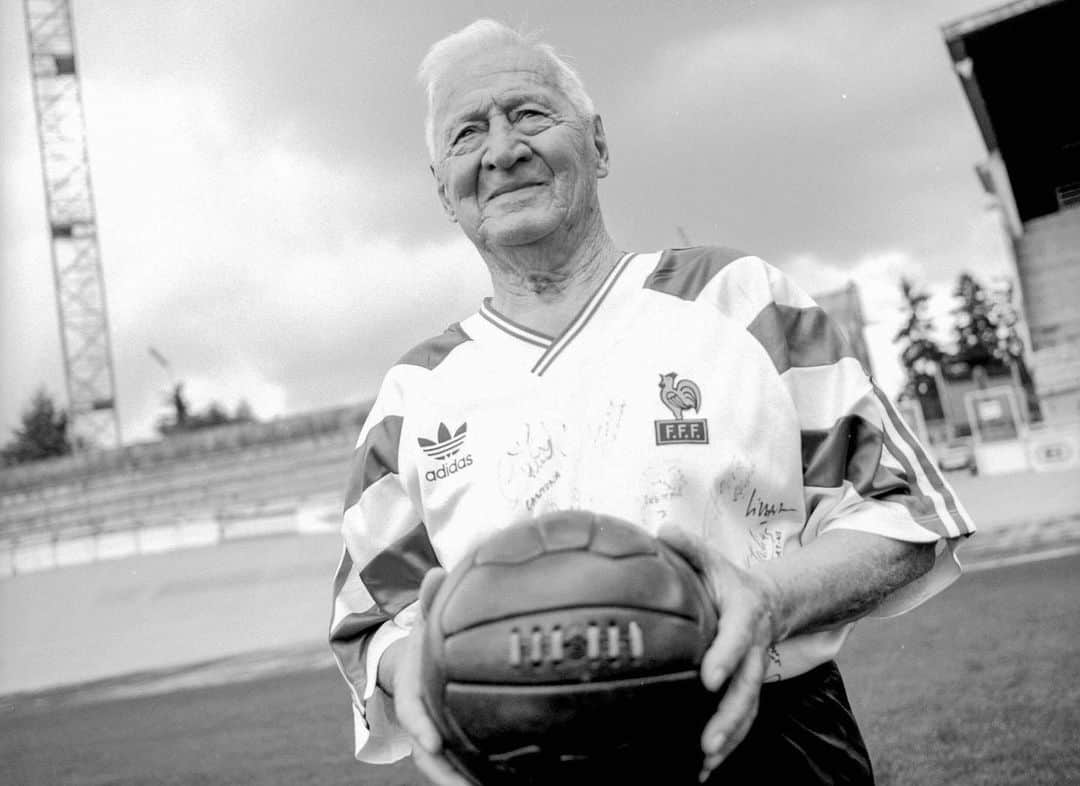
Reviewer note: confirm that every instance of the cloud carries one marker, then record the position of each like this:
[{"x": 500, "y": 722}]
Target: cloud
[
  {"x": 317, "y": 331},
  {"x": 268, "y": 222},
  {"x": 256, "y": 267},
  {"x": 773, "y": 132}
]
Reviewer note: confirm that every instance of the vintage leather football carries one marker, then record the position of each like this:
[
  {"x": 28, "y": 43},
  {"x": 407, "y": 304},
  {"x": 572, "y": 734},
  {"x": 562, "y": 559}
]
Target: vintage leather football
[{"x": 566, "y": 649}]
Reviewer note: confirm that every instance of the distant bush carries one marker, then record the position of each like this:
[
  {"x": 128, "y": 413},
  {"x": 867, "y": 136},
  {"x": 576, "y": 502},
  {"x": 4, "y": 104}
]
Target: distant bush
[{"x": 43, "y": 433}]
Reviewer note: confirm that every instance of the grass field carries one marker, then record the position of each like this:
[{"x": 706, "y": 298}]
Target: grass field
[{"x": 979, "y": 686}]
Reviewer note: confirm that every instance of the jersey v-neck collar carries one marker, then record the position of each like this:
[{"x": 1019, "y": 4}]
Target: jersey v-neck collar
[
  {"x": 507, "y": 325},
  {"x": 571, "y": 331},
  {"x": 553, "y": 346}
]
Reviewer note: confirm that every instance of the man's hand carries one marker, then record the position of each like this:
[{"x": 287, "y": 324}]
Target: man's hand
[
  {"x": 747, "y": 605},
  {"x": 401, "y": 670}
]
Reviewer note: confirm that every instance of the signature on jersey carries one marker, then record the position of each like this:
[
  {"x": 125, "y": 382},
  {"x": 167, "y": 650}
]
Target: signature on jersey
[
  {"x": 758, "y": 508},
  {"x": 662, "y": 485},
  {"x": 765, "y": 543},
  {"x": 736, "y": 481},
  {"x": 531, "y": 462}
]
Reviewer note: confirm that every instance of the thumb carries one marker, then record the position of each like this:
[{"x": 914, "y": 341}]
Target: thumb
[
  {"x": 701, "y": 557},
  {"x": 408, "y": 693},
  {"x": 429, "y": 588}
]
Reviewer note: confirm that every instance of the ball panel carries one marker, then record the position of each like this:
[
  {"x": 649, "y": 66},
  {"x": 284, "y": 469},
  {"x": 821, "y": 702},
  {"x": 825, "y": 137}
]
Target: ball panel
[
  {"x": 583, "y": 734},
  {"x": 612, "y": 539},
  {"x": 569, "y": 719},
  {"x": 562, "y": 533},
  {"x": 510, "y": 546},
  {"x": 564, "y": 580},
  {"x": 574, "y": 645}
]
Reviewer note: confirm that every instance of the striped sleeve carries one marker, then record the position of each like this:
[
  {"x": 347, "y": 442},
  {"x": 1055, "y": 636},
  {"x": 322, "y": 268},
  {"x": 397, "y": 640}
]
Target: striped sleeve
[
  {"x": 387, "y": 552},
  {"x": 863, "y": 468}
]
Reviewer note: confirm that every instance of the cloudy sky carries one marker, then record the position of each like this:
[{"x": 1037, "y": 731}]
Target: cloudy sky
[{"x": 268, "y": 223}]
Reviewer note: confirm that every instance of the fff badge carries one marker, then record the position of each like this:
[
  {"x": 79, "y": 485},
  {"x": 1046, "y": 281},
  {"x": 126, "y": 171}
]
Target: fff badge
[{"x": 679, "y": 396}]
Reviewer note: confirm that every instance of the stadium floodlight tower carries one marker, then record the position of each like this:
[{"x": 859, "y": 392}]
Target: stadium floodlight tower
[{"x": 69, "y": 203}]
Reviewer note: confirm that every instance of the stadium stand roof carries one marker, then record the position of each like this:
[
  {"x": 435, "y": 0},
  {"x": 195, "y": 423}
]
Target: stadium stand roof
[{"x": 1018, "y": 65}]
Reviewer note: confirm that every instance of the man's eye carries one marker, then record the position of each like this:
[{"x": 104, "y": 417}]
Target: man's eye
[
  {"x": 464, "y": 134},
  {"x": 531, "y": 120}
]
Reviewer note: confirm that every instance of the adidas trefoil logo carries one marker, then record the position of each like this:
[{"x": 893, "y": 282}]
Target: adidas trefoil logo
[{"x": 445, "y": 444}]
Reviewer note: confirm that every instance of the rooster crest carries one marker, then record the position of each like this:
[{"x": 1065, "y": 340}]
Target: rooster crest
[{"x": 679, "y": 396}]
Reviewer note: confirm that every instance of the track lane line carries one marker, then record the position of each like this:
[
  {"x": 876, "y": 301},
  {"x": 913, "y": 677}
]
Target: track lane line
[{"x": 1021, "y": 559}]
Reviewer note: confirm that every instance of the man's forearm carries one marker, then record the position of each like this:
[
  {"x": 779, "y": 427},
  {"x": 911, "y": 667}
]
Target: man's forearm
[{"x": 839, "y": 577}]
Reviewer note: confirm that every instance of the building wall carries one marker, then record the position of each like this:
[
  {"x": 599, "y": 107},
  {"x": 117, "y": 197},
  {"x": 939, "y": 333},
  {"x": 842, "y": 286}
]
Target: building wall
[{"x": 1048, "y": 262}]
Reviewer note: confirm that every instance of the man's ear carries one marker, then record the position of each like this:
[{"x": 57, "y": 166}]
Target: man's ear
[
  {"x": 603, "y": 162},
  {"x": 441, "y": 190}
]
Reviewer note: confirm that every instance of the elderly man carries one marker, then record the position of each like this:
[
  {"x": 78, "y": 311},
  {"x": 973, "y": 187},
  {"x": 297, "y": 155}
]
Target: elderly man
[{"x": 696, "y": 392}]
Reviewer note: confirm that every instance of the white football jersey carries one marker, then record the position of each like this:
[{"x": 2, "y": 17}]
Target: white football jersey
[{"x": 698, "y": 387}]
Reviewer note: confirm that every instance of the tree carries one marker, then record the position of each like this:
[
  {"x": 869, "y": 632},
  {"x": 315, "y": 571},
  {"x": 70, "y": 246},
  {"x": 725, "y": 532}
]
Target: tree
[
  {"x": 1011, "y": 345},
  {"x": 975, "y": 328},
  {"x": 43, "y": 433},
  {"x": 987, "y": 332},
  {"x": 920, "y": 353}
]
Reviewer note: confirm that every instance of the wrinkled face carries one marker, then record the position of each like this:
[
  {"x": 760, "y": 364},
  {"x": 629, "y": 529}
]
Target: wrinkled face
[{"x": 514, "y": 161}]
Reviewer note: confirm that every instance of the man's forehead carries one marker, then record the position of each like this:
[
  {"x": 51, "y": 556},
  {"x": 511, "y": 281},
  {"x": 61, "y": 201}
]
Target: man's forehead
[
  {"x": 503, "y": 59},
  {"x": 502, "y": 72}
]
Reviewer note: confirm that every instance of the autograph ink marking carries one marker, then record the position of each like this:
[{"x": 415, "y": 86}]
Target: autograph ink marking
[{"x": 760, "y": 509}]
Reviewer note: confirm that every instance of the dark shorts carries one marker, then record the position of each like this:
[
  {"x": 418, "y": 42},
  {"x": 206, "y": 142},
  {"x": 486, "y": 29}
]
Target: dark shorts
[{"x": 805, "y": 733}]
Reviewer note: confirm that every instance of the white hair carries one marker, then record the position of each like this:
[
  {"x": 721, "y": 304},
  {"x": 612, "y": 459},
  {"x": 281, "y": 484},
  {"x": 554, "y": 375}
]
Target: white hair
[{"x": 486, "y": 34}]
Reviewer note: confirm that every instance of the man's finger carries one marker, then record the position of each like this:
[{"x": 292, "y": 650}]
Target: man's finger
[
  {"x": 410, "y": 709},
  {"x": 414, "y": 719},
  {"x": 738, "y": 735},
  {"x": 737, "y": 708},
  {"x": 732, "y": 740},
  {"x": 714, "y": 760},
  {"x": 438, "y": 769},
  {"x": 733, "y": 639},
  {"x": 429, "y": 586}
]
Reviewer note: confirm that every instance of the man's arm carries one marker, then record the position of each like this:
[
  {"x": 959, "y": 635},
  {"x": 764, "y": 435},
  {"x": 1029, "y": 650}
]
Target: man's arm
[
  {"x": 399, "y": 678},
  {"x": 871, "y": 497},
  {"x": 387, "y": 552},
  {"x": 837, "y": 578}
]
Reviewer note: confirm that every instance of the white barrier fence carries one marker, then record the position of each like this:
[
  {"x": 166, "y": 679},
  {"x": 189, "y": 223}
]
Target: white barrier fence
[
  {"x": 1041, "y": 448},
  {"x": 38, "y": 554}
]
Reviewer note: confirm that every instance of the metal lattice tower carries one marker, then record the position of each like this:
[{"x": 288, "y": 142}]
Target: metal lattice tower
[{"x": 69, "y": 202}]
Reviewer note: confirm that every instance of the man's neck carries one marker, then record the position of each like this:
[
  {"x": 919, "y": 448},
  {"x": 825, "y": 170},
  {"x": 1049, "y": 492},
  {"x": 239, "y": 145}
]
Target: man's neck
[{"x": 544, "y": 288}]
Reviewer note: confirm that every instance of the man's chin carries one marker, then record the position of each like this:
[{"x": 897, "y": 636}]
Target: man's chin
[{"x": 515, "y": 232}]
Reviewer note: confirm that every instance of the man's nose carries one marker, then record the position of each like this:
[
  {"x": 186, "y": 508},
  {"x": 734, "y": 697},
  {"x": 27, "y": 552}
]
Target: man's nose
[{"x": 505, "y": 147}]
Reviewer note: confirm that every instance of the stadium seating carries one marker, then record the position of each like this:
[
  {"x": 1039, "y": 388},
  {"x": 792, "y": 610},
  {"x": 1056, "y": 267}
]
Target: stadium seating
[{"x": 233, "y": 476}]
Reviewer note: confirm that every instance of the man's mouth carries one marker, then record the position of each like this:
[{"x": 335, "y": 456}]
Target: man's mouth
[{"x": 509, "y": 189}]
